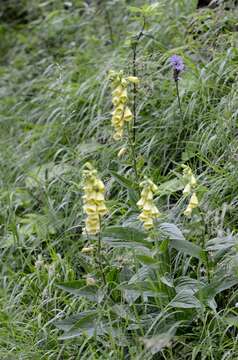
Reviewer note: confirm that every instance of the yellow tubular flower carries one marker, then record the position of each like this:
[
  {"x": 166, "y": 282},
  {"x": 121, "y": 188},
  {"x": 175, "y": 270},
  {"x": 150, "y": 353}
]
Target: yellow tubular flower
[
  {"x": 128, "y": 114},
  {"x": 193, "y": 204},
  {"x": 189, "y": 180},
  {"x": 193, "y": 201},
  {"x": 87, "y": 249},
  {"x": 121, "y": 111},
  {"x": 187, "y": 189},
  {"x": 90, "y": 280},
  {"x": 133, "y": 79},
  {"x": 122, "y": 152},
  {"x": 146, "y": 204},
  {"x": 190, "y": 185},
  {"x": 94, "y": 202}
]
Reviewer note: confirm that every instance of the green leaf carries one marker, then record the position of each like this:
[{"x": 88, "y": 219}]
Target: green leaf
[
  {"x": 216, "y": 286},
  {"x": 185, "y": 300},
  {"x": 188, "y": 285},
  {"x": 147, "y": 260},
  {"x": 188, "y": 248},
  {"x": 123, "y": 181},
  {"x": 178, "y": 241},
  {"x": 78, "y": 288},
  {"x": 157, "y": 343},
  {"x": 68, "y": 323},
  {"x": 88, "y": 324},
  {"x": 173, "y": 231},
  {"x": 222, "y": 243},
  {"x": 170, "y": 186},
  {"x": 126, "y": 237},
  {"x": 231, "y": 320}
]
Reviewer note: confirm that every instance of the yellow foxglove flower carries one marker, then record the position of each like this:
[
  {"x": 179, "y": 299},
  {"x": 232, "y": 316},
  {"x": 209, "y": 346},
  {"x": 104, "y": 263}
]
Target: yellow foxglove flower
[
  {"x": 189, "y": 180},
  {"x": 190, "y": 184},
  {"x": 193, "y": 204},
  {"x": 146, "y": 204},
  {"x": 87, "y": 249},
  {"x": 193, "y": 181},
  {"x": 188, "y": 212},
  {"x": 94, "y": 200},
  {"x": 122, "y": 152},
  {"x": 118, "y": 135},
  {"x": 123, "y": 97},
  {"x": 121, "y": 111},
  {"x": 90, "y": 280},
  {"x": 133, "y": 79},
  {"x": 193, "y": 201},
  {"x": 187, "y": 189},
  {"x": 128, "y": 114}
]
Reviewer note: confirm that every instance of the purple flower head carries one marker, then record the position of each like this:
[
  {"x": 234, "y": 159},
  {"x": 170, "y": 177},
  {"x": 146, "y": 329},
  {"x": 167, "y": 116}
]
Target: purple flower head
[{"x": 177, "y": 65}]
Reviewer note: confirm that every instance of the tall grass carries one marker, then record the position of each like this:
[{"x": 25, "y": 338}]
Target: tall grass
[{"x": 173, "y": 296}]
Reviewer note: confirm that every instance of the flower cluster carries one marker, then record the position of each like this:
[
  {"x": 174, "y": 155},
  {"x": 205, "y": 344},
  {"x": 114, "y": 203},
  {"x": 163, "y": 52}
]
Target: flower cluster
[
  {"x": 177, "y": 65},
  {"x": 121, "y": 111},
  {"x": 189, "y": 188},
  {"x": 146, "y": 203},
  {"x": 94, "y": 201}
]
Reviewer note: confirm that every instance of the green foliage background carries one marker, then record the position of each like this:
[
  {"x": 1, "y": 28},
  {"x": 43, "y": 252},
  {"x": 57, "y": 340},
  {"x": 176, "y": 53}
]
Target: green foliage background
[{"x": 172, "y": 298}]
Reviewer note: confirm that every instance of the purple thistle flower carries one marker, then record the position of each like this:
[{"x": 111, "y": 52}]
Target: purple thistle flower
[{"x": 177, "y": 65}]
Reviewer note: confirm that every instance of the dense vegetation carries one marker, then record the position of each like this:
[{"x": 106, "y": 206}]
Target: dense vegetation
[{"x": 167, "y": 292}]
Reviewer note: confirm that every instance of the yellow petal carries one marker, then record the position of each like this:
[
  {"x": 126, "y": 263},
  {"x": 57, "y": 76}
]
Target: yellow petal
[
  {"x": 193, "y": 181},
  {"x": 118, "y": 135},
  {"x": 133, "y": 79},
  {"x": 128, "y": 114},
  {"x": 89, "y": 209},
  {"x": 140, "y": 203},
  {"x": 87, "y": 249},
  {"x": 187, "y": 189},
  {"x": 90, "y": 280},
  {"x": 123, "y": 96},
  {"x": 102, "y": 209},
  {"x": 148, "y": 224},
  {"x": 193, "y": 203},
  {"x": 147, "y": 193},
  {"x": 99, "y": 186},
  {"x": 188, "y": 211},
  {"x": 116, "y": 100},
  {"x": 119, "y": 110},
  {"x": 122, "y": 152}
]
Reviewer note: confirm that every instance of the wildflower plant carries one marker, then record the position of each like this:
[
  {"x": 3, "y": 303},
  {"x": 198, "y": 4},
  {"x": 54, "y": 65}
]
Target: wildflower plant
[
  {"x": 121, "y": 112},
  {"x": 178, "y": 67},
  {"x": 149, "y": 211},
  {"x": 94, "y": 200},
  {"x": 190, "y": 183}
]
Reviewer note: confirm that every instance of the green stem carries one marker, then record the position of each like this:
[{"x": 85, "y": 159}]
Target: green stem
[
  {"x": 108, "y": 19},
  {"x": 133, "y": 154},
  {"x": 179, "y": 101},
  {"x": 134, "y": 48},
  {"x": 100, "y": 256},
  {"x": 132, "y": 132},
  {"x": 204, "y": 247}
]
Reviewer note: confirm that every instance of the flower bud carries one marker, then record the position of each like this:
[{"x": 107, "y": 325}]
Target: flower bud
[{"x": 122, "y": 152}]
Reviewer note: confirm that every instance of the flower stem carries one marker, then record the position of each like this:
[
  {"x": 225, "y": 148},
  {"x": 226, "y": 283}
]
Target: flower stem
[
  {"x": 204, "y": 247},
  {"x": 133, "y": 154},
  {"x": 134, "y": 62},
  {"x": 108, "y": 19},
  {"x": 132, "y": 138},
  {"x": 179, "y": 101},
  {"x": 100, "y": 256}
]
